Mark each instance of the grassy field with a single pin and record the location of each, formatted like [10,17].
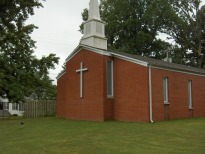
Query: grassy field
[60,136]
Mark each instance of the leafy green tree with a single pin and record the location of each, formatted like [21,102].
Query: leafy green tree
[84,17]
[21,72]
[203,37]
[185,24]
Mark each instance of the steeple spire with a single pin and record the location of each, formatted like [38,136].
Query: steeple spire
[94,12]
[94,28]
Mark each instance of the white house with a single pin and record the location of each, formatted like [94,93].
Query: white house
[12,108]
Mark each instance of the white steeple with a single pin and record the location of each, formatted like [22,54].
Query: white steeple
[94,28]
[94,12]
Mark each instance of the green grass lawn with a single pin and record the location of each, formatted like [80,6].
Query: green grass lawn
[60,136]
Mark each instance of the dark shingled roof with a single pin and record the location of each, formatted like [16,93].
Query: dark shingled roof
[162,64]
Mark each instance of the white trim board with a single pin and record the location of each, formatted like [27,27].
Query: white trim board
[136,61]
[105,53]
[80,47]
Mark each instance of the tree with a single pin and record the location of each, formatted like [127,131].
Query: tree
[21,73]
[203,36]
[186,27]
[133,26]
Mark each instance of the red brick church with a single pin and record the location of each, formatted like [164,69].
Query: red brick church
[99,84]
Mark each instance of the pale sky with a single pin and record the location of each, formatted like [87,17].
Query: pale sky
[58,23]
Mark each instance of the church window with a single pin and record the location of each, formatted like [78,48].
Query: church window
[165,90]
[190,94]
[110,78]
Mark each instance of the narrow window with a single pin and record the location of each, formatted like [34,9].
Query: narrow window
[165,90]
[110,78]
[190,94]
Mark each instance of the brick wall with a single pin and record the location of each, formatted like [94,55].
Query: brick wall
[108,102]
[61,97]
[178,95]
[92,106]
[130,91]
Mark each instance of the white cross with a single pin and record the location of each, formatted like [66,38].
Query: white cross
[81,70]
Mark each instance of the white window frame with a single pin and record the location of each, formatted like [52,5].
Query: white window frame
[21,106]
[165,90]
[190,103]
[15,106]
[110,94]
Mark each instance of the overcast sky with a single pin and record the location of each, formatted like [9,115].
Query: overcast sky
[58,23]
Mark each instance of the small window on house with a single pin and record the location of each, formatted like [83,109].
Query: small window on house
[21,106]
[110,78]
[165,90]
[14,106]
[6,106]
[1,106]
[190,94]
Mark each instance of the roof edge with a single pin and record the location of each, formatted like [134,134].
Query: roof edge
[61,74]
[133,60]
[95,50]
[178,70]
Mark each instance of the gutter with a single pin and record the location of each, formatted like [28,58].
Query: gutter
[150,94]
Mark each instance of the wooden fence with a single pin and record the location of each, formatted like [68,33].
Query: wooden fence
[37,109]
[4,113]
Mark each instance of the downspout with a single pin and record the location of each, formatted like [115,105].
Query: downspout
[150,93]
